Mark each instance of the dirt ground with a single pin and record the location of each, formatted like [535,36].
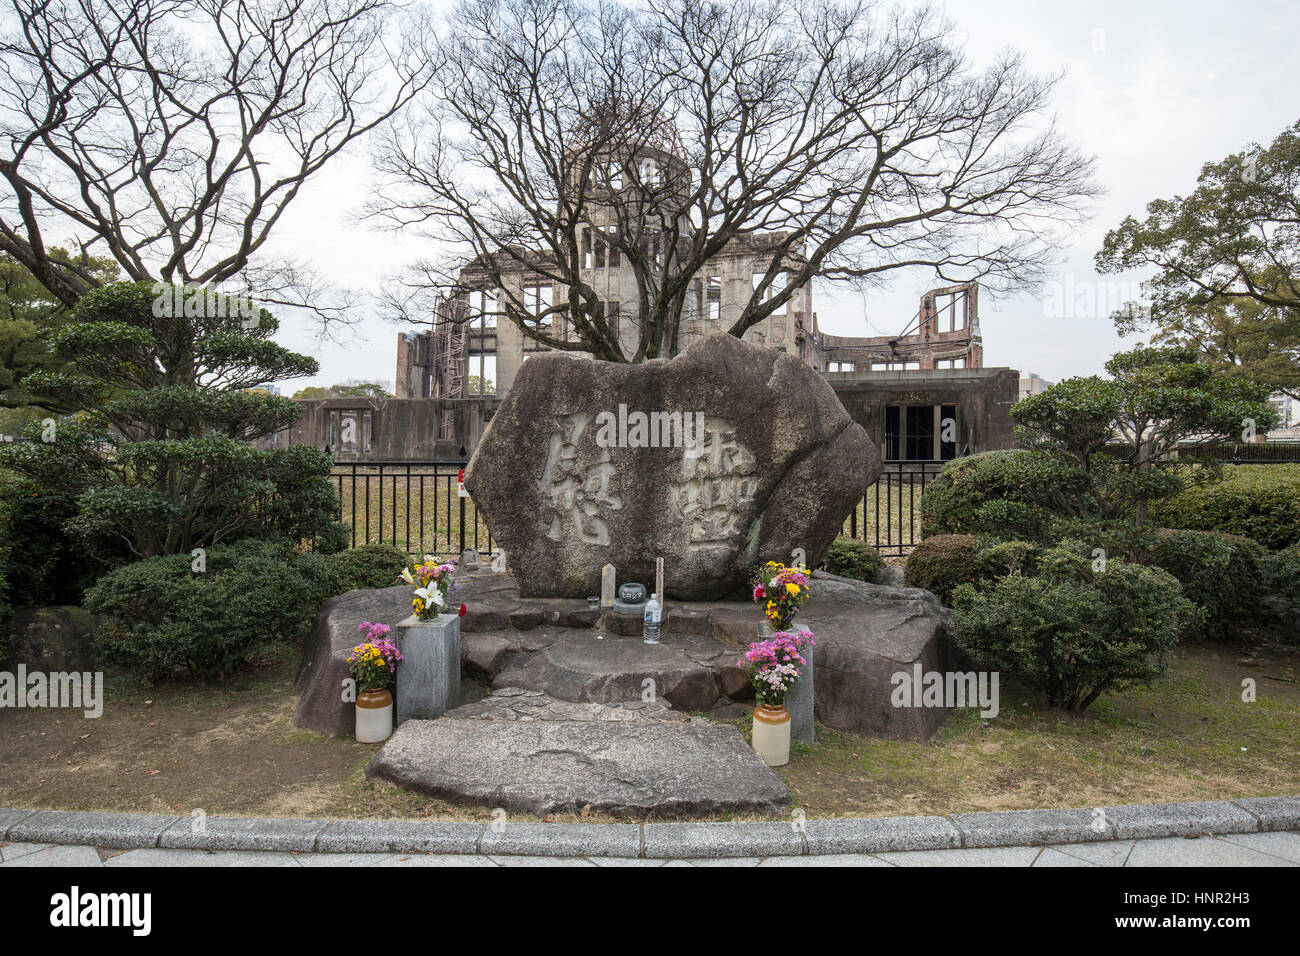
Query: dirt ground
[232,749]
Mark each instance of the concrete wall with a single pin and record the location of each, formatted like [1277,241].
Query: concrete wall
[393,429]
[983,398]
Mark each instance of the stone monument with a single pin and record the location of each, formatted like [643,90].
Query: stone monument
[725,456]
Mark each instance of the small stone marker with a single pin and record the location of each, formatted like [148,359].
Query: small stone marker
[428,679]
[607,586]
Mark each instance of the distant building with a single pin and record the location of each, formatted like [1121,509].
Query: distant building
[1286,409]
[1031,383]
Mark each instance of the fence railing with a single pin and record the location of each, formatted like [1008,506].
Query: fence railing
[415,506]
[1246,453]
[889,515]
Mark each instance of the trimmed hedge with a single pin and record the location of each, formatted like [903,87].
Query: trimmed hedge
[941,563]
[1280,571]
[1070,631]
[1219,572]
[851,558]
[1258,501]
[1008,494]
[168,618]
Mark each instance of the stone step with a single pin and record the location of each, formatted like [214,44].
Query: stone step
[518,703]
[691,674]
[623,768]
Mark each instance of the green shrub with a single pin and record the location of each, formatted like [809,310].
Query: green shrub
[371,566]
[1115,538]
[1220,573]
[850,558]
[1258,501]
[941,563]
[335,538]
[1000,558]
[47,564]
[168,618]
[1072,632]
[1280,574]
[165,617]
[1007,494]
[164,457]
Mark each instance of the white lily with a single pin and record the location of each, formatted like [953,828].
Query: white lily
[430,596]
[406,576]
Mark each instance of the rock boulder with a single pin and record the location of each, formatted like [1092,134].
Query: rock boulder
[324,664]
[55,638]
[726,455]
[867,633]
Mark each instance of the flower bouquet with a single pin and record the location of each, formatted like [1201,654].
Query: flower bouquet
[434,583]
[374,661]
[782,591]
[775,664]
[373,664]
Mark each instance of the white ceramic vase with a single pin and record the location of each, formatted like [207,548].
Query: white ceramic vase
[771,736]
[374,716]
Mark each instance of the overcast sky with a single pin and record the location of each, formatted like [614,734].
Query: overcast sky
[1152,89]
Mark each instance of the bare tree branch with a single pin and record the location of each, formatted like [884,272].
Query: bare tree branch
[176,133]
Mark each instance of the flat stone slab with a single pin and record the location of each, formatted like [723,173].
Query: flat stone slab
[865,635]
[541,767]
[580,666]
[518,703]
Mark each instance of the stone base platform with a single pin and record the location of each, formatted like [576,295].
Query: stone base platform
[865,634]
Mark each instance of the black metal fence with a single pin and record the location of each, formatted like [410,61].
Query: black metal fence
[413,505]
[889,516]
[416,506]
[1246,453]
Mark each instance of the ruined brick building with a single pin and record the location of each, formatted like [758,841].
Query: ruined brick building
[901,388]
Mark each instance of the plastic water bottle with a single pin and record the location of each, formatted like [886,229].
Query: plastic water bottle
[653,615]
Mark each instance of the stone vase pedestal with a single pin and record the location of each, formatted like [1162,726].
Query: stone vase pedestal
[799,699]
[428,678]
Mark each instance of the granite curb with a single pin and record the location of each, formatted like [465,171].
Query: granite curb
[798,837]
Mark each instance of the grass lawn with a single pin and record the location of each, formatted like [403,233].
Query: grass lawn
[232,749]
[417,512]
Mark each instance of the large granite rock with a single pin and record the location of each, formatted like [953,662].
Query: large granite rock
[867,633]
[55,638]
[324,664]
[778,465]
[617,767]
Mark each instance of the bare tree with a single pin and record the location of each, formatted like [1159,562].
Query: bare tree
[172,135]
[836,141]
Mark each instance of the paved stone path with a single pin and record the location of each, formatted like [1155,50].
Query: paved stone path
[1240,849]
